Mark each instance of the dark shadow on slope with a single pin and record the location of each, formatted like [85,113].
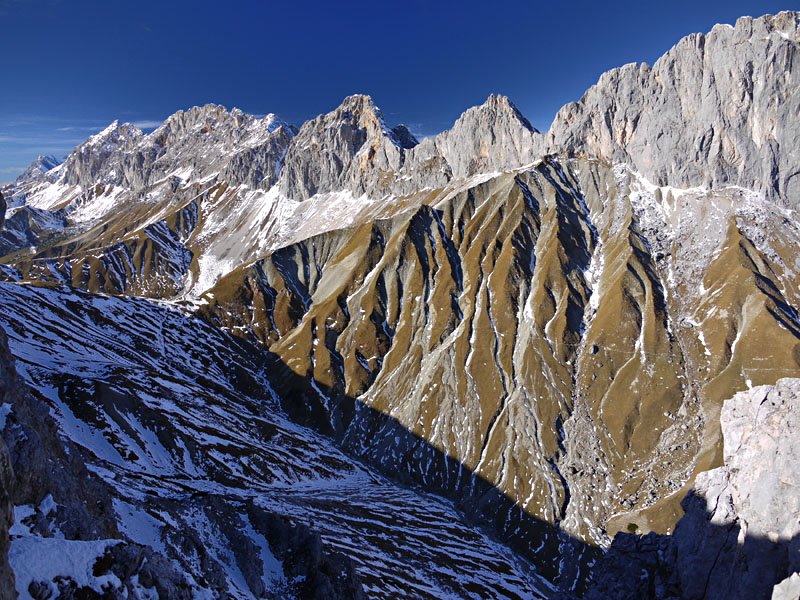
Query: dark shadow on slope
[404,457]
[701,560]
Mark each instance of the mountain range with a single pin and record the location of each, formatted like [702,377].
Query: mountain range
[252,360]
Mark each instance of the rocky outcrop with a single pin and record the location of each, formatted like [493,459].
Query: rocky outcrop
[717,109]
[201,142]
[740,536]
[349,148]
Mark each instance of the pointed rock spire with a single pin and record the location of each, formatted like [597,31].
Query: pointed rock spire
[343,149]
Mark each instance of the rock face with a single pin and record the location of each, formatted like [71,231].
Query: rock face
[740,537]
[348,148]
[717,109]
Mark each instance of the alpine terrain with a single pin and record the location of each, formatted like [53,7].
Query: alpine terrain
[250,360]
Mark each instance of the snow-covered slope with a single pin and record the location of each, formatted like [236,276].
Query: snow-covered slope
[177,418]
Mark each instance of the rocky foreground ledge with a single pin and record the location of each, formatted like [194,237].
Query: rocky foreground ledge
[739,536]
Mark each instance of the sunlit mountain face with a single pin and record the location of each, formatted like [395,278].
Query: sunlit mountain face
[337,361]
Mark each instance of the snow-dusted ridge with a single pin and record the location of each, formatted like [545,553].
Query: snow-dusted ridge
[199,428]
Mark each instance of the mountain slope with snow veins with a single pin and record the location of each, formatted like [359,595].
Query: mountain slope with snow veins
[175,417]
[463,364]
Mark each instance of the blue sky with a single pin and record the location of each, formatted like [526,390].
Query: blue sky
[71,67]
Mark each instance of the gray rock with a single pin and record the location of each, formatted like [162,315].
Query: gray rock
[200,142]
[761,456]
[788,589]
[740,536]
[353,149]
[715,110]
[494,136]
[349,148]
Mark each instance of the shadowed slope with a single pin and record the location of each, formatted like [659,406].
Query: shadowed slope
[178,419]
[549,329]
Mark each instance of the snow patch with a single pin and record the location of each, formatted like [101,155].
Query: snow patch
[97,207]
[47,197]
[36,559]
[5,410]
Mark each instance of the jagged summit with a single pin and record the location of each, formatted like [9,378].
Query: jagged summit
[494,136]
[358,103]
[360,111]
[343,149]
[41,165]
[202,141]
[211,118]
[499,107]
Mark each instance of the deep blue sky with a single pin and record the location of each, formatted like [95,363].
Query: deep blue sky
[68,68]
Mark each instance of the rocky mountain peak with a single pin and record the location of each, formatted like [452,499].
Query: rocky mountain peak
[359,112]
[203,141]
[785,24]
[272,122]
[89,162]
[199,121]
[491,137]
[359,104]
[114,134]
[343,149]
[497,108]
[39,167]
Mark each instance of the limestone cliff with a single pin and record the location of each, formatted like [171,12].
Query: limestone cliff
[717,109]
[740,537]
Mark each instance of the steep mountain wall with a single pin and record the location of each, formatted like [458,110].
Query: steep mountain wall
[717,109]
[548,329]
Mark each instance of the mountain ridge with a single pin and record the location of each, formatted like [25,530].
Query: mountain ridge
[559,315]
